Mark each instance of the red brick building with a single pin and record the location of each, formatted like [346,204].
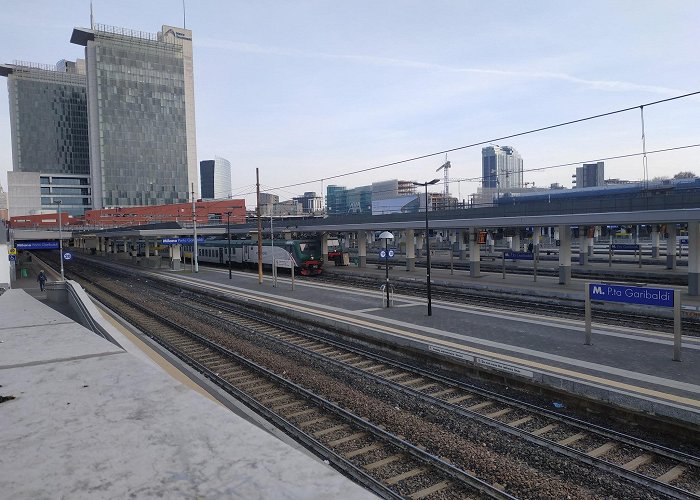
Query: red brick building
[210,212]
[207,212]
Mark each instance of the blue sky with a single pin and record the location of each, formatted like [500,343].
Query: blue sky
[310,89]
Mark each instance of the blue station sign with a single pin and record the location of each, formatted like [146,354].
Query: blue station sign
[36,245]
[180,241]
[624,246]
[661,297]
[519,255]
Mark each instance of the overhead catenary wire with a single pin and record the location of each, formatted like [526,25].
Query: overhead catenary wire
[481,143]
[549,167]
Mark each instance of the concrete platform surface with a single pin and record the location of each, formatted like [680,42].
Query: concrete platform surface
[89,420]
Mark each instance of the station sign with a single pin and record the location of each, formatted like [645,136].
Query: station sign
[624,246]
[67,256]
[383,254]
[180,241]
[683,240]
[284,263]
[661,297]
[519,255]
[36,245]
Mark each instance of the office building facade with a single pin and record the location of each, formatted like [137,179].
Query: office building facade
[140,93]
[502,168]
[215,178]
[590,175]
[49,134]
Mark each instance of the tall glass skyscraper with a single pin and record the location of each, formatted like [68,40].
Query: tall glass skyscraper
[215,176]
[49,133]
[502,168]
[140,91]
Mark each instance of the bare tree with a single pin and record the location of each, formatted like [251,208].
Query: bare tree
[684,175]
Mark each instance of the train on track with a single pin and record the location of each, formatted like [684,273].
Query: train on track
[305,254]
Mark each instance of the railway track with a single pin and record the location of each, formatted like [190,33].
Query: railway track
[667,472]
[385,463]
[631,458]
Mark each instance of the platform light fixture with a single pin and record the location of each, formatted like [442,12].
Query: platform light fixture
[427,239]
[386,236]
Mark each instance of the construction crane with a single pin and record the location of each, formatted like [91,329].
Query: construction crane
[446,167]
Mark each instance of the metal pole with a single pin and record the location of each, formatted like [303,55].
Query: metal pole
[272,244]
[386,261]
[587,313]
[60,238]
[257,209]
[503,262]
[534,267]
[427,247]
[195,252]
[228,229]
[676,325]
[639,248]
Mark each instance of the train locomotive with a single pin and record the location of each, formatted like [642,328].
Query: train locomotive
[305,254]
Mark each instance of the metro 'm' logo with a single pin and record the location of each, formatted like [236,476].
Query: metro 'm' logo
[597,290]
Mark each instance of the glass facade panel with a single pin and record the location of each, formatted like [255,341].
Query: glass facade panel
[141,108]
[51,122]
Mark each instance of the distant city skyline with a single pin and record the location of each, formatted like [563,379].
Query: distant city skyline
[311,91]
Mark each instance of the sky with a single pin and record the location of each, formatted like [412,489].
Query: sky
[310,90]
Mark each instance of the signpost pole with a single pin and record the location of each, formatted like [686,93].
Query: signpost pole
[639,245]
[610,254]
[588,313]
[534,267]
[676,325]
[503,262]
[292,275]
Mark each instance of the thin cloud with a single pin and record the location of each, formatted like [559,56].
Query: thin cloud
[609,85]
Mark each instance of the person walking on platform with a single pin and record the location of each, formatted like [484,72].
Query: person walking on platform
[42,280]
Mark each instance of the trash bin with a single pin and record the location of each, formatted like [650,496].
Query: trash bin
[24,272]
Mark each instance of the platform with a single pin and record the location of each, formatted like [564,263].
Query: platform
[91,420]
[625,367]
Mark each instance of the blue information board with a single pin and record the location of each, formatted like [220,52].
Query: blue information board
[624,246]
[519,255]
[662,297]
[181,241]
[383,254]
[36,245]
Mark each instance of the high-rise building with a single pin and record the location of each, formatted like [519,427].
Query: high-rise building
[49,134]
[502,168]
[3,205]
[310,203]
[140,91]
[590,175]
[215,176]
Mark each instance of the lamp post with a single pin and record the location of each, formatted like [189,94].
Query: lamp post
[228,230]
[60,237]
[427,239]
[195,252]
[386,236]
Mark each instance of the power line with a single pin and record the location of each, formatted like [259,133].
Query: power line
[537,169]
[548,167]
[481,143]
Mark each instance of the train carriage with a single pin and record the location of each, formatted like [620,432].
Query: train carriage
[305,254]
